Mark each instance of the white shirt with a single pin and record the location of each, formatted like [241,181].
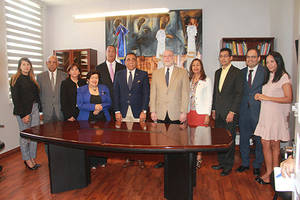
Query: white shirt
[132,74]
[170,72]
[253,73]
[113,65]
[50,75]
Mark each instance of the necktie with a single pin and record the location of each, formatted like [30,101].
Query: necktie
[130,80]
[111,72]
[52,80]
[167,77]
[250,78]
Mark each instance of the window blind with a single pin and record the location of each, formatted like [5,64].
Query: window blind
[24,33]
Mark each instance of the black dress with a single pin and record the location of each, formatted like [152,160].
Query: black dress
[96,99]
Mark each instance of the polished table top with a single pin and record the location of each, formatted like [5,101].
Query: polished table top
[125,136]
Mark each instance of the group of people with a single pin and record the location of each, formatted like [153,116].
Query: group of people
[256,98]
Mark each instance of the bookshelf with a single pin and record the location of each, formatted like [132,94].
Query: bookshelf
[85,58]
[239,46]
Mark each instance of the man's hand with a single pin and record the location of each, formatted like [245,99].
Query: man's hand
[142,117]
[118,116]
[154,116]
[229,117]
[98,107]
[213,114]
[206,120]
[182,117]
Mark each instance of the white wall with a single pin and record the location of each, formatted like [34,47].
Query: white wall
[9,134]
[231,18]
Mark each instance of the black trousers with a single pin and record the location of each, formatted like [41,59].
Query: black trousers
[168,121]
[226,159]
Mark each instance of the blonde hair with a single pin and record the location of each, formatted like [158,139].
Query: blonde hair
[15,77]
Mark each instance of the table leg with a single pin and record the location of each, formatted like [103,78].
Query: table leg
[68,168]
[179,176]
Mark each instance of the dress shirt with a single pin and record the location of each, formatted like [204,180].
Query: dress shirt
[113,66]
[132,74]
[253,73]
[170,72]
[223,76]
[54,74]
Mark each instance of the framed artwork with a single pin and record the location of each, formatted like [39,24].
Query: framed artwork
[149,35]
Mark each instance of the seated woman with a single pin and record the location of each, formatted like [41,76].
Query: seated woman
[93,101]
[68,93]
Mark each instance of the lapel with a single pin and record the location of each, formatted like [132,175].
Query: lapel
[173,76]
[227,79]
[218,74]
[47,80]
[259,75]
[162,78]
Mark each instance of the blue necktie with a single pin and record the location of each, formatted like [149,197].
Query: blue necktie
[167,77]
[130,80]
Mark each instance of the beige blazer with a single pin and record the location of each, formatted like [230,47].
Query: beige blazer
[173,99]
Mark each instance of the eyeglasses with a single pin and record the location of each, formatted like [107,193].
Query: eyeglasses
[224,56]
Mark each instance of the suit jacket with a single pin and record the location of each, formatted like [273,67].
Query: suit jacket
[50,99]
[68,96]
[173,99]
[248,101]
[203,97]
[137,97]
[230,97]
[105,76]
[84,105]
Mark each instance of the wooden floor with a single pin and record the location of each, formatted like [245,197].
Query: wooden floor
[133,183]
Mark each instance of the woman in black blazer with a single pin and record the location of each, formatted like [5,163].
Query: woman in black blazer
[68,93]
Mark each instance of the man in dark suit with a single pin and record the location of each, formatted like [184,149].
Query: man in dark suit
[131,92]
[253,77]
[108,70]
[131,95]
[228,90]
[49,82]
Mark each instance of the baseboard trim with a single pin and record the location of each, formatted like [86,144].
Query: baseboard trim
[3,155]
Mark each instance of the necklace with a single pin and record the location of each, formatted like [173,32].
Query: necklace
[94,89]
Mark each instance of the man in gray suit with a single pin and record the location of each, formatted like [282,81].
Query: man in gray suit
[49,82]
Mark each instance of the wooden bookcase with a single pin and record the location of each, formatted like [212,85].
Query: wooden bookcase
[85,58]
[239,46]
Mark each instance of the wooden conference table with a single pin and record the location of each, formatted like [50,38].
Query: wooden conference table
[69,141]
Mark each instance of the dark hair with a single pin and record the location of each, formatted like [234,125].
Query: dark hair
[202,72]
[280,67]
[92,72]
[130,54]
[226,49]
[255,49]
[74,65]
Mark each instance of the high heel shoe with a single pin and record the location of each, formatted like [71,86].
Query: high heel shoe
[261,181]
[31,168]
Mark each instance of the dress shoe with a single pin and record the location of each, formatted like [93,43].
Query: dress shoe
[159,165]
[217,167]
[242,168]
[225,172]
[261,181]
[256,171]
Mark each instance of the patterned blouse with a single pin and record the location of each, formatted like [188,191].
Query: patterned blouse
[192,94]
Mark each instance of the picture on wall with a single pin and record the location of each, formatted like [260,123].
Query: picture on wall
[149,35]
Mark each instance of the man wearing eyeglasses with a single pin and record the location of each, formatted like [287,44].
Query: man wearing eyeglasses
[228,89]
[253,77]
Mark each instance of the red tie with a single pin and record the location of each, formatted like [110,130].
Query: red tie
[250,78]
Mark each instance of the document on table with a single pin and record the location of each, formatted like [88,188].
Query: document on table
[283,183]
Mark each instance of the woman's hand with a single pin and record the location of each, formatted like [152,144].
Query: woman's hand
[260,97]
[206,120]
[71,119]
[26,119]
[98,107]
